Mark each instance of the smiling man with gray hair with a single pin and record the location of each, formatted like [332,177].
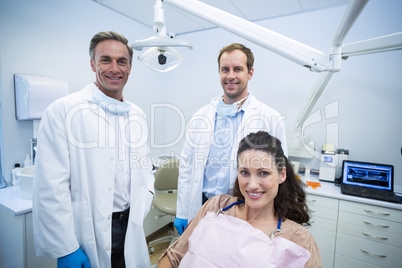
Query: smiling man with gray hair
[90,193]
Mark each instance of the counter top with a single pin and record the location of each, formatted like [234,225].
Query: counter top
[329,189]
[13,203]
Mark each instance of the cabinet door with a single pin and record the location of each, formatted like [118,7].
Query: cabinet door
[367,251]
[370,234]
[322,201]
[317,221]
[371,223]
[323,220]
[323,212]
[32,260]
[327,259]
[12,240]
[345,262]
[324,238]
[382,213]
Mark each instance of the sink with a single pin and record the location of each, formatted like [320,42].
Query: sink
[25,181]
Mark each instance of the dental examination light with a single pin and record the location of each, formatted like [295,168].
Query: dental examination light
[160,57]
[315,60]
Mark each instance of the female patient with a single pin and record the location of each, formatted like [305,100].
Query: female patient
[259,226]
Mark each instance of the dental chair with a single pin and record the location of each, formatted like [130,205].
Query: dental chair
[165,199]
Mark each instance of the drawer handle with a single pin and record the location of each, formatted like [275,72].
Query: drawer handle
[372,254]
[311,221]
[378,213]
[312,210]
[311,200]
[375,237]
[376,225]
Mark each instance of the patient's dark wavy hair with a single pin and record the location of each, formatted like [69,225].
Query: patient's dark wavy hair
[290,202]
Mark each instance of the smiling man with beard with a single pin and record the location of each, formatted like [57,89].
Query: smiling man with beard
[208,159]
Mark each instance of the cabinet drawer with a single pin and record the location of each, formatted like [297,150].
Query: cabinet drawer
[320,201]
[325,239]
[322,222]
[327,258]
[371,223]
[369,234]
[372,211]
[366,251]
[323,212]
[345,262]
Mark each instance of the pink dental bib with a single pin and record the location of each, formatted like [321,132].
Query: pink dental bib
[220,240]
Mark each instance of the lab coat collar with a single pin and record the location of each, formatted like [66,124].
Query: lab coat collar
[243,107]
[93,94]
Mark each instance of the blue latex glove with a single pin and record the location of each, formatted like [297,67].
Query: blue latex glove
[77,259]
[180,224]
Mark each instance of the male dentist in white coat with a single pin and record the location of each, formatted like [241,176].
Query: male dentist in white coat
[208,164]
[92,189]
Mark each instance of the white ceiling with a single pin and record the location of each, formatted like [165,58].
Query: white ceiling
[180,22]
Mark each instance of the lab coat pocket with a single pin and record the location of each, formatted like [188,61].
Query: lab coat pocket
[83,223]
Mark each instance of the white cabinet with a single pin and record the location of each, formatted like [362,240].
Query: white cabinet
[324,216]
[345,262]
[12,240]
[371,235]
[16,247]
[354,234]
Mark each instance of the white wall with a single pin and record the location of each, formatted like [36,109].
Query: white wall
[51,38]
[367,90]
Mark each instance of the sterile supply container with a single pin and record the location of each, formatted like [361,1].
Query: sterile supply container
[25,181]
[14,171]
[27,161]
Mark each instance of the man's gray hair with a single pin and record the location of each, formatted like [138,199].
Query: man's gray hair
[109,35]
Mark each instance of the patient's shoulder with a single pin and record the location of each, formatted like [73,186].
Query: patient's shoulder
[297,233]
[219,201]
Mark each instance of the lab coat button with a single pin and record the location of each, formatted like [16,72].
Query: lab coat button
[110,188]
[112,158]
[109,217]
[107,248]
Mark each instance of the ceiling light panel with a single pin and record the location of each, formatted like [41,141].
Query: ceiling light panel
[263,9]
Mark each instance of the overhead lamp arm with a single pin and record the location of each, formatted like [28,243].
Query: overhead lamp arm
[160,56]
[295,51]
[159,18]
[282,45]
[353,10]
[339,51]
[161,39]
[373,45]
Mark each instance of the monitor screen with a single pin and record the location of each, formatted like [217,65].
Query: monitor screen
[370,175]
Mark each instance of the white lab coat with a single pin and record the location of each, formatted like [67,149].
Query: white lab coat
[199,135]
[74,180]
